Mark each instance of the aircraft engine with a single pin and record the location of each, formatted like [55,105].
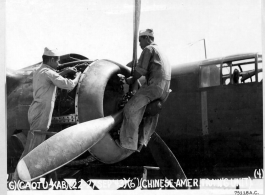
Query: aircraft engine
[97,94]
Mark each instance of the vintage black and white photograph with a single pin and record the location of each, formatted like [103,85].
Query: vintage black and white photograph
[134,95]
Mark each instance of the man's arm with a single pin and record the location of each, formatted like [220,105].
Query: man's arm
[132,79]
[68,70]
[141,68]
[62,82]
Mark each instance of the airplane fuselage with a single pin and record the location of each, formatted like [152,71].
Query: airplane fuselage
[211,124]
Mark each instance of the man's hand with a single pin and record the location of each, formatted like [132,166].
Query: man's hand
[71,70]
[122,78]
[78,74]
[68,70]
[129,80]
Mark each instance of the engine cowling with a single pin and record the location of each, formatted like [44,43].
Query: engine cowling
[98,96]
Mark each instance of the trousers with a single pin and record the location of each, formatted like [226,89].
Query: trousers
[132,116]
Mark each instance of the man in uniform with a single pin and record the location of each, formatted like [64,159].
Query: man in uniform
[154,65]
[45,82]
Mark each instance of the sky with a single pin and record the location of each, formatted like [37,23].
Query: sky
[103,29]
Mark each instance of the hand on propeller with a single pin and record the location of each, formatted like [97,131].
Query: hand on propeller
[125,80]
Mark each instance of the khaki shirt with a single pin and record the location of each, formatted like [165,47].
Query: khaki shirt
[45,83]
[154,65]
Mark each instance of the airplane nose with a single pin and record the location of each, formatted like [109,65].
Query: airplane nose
[23,171]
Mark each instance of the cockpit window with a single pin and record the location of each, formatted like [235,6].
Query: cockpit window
[210,75]
[260,73]
[242,71]
[237,71]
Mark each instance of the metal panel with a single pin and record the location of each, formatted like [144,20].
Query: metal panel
[22,117]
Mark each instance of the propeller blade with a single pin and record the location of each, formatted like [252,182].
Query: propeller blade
[64,146]
[165,158]
[136,22]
